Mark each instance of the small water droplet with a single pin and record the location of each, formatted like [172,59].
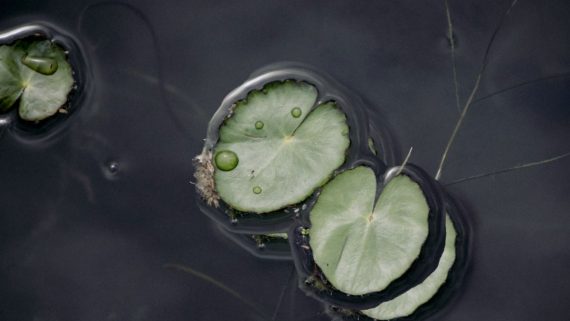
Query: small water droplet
[259,124]
[296,112]
[45,66]
[257,190]
[226,160]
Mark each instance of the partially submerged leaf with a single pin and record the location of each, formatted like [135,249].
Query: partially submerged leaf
[360,246]
[410,301]
[37,73]
[10,84]
[285,149]
[44,94]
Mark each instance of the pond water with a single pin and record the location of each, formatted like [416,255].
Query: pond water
[99,220]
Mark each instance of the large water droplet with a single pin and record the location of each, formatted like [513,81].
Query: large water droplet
[259,124]
[296,112]
[45,66]
[226,160]
[257,190]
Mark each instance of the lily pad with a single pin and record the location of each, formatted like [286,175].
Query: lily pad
[285,147]
[38,74]
[10,85]
[407,303]
[362,247]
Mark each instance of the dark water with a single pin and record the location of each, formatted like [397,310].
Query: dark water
[93,211]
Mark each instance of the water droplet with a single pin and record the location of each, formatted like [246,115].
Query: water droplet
[296,112]
[257,190]
[259,124]
[45,66]
[226,160]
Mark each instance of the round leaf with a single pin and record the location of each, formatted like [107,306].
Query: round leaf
[10,84]
[362,247]
[43,94]
[412,299]
[285,148]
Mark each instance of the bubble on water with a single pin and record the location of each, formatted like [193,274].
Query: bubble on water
[257,190]
[259,124]
[113,167]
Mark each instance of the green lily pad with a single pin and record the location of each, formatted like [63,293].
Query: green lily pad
[284,147]
[10,84]
[360,246]
[37,73]
[405,304]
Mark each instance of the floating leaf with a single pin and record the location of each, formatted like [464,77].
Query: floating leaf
[360,246]
[10,83]
[37,73]
[286,149]
[410,301]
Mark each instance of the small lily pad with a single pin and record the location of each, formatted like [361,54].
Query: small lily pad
[407,303]
[37,73]
[10,85]
[362,246]
[285,147]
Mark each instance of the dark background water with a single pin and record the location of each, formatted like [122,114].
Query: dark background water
[90,215]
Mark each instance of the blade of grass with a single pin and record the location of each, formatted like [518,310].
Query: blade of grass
[473,91]
[216,283]
[509,169]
